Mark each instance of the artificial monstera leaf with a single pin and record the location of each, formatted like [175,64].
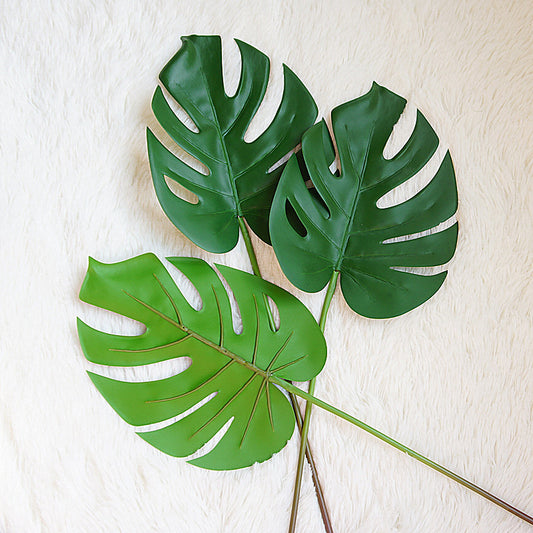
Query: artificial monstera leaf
[235,369]
[239,182]
[336,224]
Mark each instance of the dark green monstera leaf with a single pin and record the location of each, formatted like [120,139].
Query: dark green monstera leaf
[235,369]
[336,225]
[239,181]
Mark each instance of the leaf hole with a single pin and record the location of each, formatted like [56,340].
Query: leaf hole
[177,418]
[436,229]
[113,323]
[268,107]
[294,220]
[168,142]
[179,111]
[303,169]
[422,271]
[401,132]
[180,191]
[320,203]
[415,184]
[335,165]
[211,444]
[185,286]
[284,159]
[274,311]
[143,373]
[236,317]
[231,66]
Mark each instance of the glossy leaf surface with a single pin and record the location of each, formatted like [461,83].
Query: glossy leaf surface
[238,182]
[233,368]
[337,225]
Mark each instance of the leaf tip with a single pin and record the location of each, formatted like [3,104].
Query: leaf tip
[223,268]
[92,264]
[93,377]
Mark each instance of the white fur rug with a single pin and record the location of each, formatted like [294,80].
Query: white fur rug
[452,379]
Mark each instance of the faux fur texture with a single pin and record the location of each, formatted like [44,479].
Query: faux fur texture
[452,379]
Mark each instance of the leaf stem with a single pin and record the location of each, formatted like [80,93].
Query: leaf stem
[249,247]
[307,417]
[314,474]
[289,387]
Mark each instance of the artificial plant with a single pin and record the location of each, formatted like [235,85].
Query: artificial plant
[242,176]
[236,369]
[240,183]
[334,223]
[327,225]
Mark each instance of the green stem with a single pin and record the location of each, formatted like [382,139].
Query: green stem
[314,472]
[307,450]
[307,417]
[249,248]
[289,387]
[327,299]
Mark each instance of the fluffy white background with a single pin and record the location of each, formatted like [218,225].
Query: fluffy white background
[453,379]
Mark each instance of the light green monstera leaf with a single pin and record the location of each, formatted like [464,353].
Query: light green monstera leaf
[236,370]
[336,224]
[240,182]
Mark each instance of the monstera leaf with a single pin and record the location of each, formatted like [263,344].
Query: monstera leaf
[336,225]
[239,182]
[235,369]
